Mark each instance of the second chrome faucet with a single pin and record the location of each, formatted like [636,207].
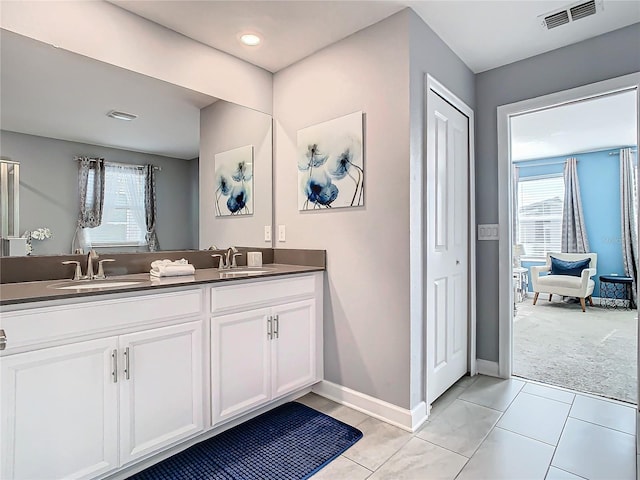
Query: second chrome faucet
[227,260]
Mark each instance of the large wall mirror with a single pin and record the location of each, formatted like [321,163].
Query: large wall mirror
[54,106]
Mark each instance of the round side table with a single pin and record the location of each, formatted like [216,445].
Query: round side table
[615,291]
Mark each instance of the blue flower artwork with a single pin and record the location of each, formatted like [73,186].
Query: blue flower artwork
[234,182]
[330,164]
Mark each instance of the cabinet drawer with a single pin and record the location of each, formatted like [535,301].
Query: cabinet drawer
[259,293]
[26,328]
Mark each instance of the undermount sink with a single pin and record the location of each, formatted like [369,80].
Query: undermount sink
[245,272]
[93,284]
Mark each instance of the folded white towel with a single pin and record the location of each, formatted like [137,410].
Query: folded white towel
[155,264]
[168,268]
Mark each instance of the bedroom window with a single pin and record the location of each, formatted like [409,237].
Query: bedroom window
[539,221]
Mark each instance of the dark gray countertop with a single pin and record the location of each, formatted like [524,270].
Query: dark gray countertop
[26,292]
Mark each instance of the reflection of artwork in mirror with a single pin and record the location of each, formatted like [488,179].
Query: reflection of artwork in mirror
[234,182]
[330,164]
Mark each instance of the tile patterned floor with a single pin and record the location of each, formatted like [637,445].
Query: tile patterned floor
[488,428]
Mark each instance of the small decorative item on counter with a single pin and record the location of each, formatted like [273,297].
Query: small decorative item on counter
[254,259]
[41,233]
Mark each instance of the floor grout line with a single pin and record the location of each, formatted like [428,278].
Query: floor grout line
[602,426]
[531,438]
[448,449]
[579,476]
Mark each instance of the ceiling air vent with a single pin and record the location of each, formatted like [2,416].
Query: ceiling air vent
[583,10]
[569,14]
[557,19]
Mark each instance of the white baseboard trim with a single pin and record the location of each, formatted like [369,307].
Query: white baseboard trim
[409,420]
[486,367]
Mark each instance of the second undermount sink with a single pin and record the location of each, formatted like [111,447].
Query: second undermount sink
[93,284]
[244,272]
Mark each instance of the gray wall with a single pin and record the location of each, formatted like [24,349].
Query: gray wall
[49,189]
[428,55]
[366,307]
[372,343]
[607,56]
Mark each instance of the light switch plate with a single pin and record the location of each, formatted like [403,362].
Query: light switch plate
[282,233]
[267,233]
[489,231]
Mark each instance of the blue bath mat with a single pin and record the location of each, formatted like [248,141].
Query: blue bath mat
[290,442]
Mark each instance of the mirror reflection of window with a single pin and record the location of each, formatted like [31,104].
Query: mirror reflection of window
[123,214]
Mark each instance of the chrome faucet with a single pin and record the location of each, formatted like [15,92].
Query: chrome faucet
[227,260]
[232,253]
[91,256]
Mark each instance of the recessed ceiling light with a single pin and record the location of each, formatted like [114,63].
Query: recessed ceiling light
[121,115]
[250,39]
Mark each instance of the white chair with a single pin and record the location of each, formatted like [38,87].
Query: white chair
[565,285]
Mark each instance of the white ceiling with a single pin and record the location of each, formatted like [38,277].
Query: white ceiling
[488,34]
[484,34]
[53,93]
[42,85]
[596,124]
[291,30]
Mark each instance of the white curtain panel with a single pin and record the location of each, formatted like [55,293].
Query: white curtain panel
[629,215]
[574,235]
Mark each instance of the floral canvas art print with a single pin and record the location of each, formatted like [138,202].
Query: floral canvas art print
[330,164]
[234,182]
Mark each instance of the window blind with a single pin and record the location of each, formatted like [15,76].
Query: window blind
[539,222]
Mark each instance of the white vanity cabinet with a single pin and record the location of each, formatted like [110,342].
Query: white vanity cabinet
[161,388]
[86,407]
[59,412]
[260,354]
[94,387]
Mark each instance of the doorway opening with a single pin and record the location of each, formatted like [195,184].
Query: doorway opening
[557,340]
[574,329]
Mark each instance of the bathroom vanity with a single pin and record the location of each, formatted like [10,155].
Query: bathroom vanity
[100,384]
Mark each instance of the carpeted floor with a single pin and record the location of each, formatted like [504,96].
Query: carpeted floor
[595,352]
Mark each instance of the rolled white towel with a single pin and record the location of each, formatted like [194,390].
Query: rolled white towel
[168,268]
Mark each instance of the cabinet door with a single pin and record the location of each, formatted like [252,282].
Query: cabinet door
[161,398]
[294,354]
[59,412]
[240,356]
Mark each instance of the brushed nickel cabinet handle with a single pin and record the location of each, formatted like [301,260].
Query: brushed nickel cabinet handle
[270,327]
[276,326]
[3,340]
[127,371]
[114,366]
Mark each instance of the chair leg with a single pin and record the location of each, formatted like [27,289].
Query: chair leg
[535,297]
[550,295]
[590,301]
[584,309]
